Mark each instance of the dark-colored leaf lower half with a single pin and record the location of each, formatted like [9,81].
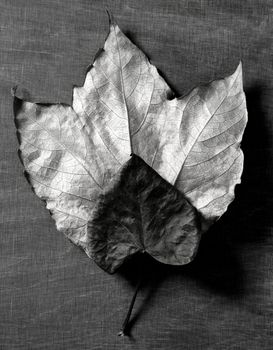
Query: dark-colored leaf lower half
[141,212]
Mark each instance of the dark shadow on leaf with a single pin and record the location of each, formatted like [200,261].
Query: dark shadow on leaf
[217,265]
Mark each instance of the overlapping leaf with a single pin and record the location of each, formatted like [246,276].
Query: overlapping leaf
[125,169]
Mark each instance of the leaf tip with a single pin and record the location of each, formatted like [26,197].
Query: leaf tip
[239,67]
[238,70]
[110,17]
[237,75]
[17,103]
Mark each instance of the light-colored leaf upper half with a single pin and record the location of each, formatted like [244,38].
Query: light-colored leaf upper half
[72,153]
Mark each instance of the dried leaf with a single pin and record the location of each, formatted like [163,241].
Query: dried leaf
[125,169]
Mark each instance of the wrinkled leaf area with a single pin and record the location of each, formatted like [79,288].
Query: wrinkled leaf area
[141,212]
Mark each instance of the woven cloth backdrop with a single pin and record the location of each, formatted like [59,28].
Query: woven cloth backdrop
[51,295]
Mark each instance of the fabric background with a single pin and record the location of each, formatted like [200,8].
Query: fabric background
[51,295]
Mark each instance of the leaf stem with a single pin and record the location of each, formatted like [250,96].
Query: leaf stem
[124,326]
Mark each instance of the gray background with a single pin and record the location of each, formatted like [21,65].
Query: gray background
[51,295]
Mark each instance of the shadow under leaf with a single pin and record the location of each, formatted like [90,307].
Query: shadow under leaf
[217,265]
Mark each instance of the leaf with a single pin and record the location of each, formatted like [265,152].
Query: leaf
[124,169]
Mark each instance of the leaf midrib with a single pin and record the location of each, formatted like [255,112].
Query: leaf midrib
[123,93]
